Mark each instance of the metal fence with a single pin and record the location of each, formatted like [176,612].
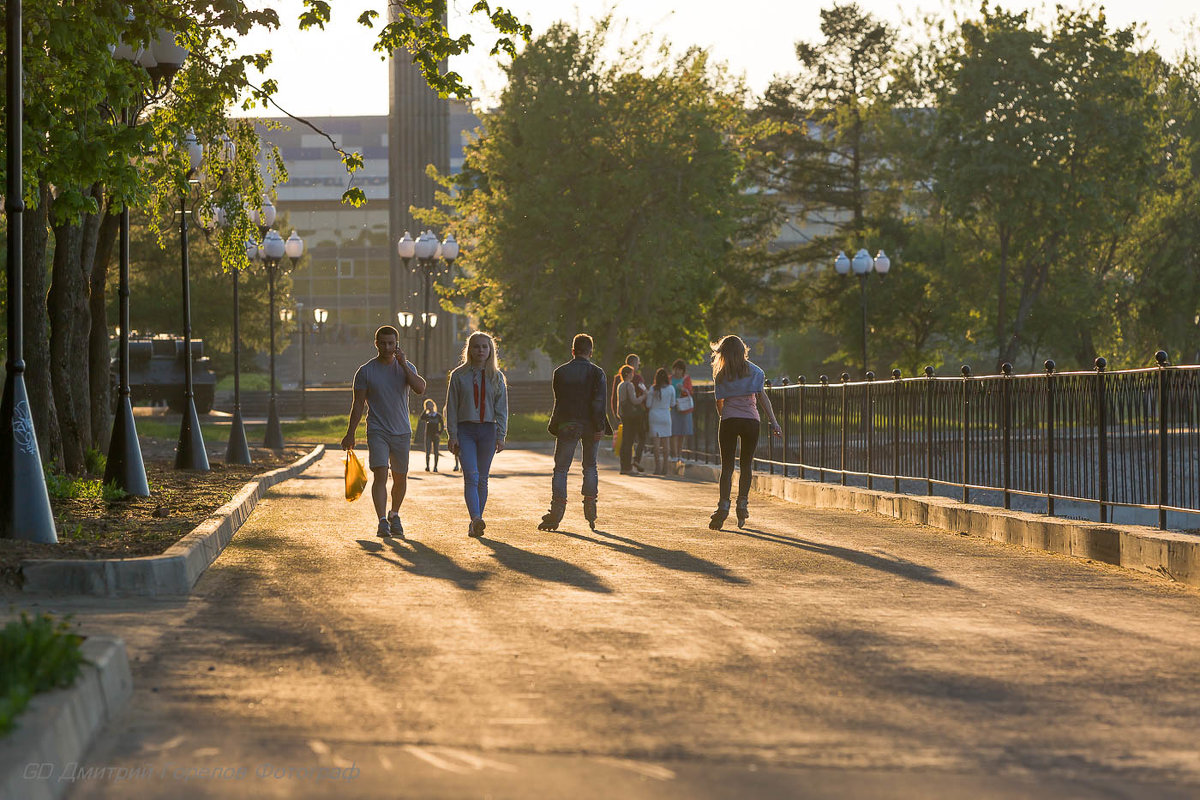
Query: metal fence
[1127,438]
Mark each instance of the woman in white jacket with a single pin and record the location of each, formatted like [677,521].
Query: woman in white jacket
[659,402]
[477,420]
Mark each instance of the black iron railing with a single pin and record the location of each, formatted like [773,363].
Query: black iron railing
[1127,439]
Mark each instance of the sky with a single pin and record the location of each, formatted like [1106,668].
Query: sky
[335,72]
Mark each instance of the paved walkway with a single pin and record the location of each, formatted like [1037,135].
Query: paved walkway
[814,654]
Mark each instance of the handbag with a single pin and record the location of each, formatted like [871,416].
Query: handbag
[356,477]
[685,404]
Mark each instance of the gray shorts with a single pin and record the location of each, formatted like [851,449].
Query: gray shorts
[388,450]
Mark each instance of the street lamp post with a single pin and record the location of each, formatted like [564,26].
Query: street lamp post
[21,473]
[237,451]
[271,251]
[862,264]
[427,251]
[161,60]
[190,452]
[302,323]
[294,248]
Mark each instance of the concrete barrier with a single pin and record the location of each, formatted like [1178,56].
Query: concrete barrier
[175,571]
[38,759]
[1170,554]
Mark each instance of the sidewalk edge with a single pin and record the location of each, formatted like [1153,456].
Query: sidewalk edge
[38,759]
[176,570]
[1169,554]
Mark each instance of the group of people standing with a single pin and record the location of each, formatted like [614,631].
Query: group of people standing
[659,415]
[476,421]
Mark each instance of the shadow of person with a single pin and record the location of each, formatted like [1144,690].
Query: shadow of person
[422,560]
[545,568]
[891,564]
[680,560]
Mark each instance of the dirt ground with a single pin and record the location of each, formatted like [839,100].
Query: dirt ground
[142,526]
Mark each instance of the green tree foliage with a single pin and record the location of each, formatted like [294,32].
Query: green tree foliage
[603,197]
[94,143]
[835,163]
[1043,149]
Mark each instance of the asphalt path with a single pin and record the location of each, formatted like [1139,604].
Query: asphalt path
[814,654]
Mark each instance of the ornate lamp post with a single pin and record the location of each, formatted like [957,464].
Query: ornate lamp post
[21,473]
[161,60]
[294,247]
[271,251]
[862,264]
[237,451]
[427,250]
[190,452]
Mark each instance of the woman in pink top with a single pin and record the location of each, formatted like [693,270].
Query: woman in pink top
[740,387]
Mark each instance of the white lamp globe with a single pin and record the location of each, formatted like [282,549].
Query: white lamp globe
[882,263]
[273,245]
[406,247]
[449,247]
[862,262]
[841,264]
[294,246]
[427,245]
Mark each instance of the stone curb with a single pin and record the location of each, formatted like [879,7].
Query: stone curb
[38,759]
[175,571]
[1173,555]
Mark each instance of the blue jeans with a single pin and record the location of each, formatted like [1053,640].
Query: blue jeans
[476,449]
[564,453]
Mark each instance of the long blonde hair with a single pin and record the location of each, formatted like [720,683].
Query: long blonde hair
[730,359]
[491,366]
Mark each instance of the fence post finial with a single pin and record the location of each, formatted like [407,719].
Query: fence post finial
[928,372]
[1006,368]
[1161,358]
[1101,362]
[1049,365]
[896,374]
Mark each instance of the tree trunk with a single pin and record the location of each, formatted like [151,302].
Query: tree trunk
[1031,288]
[99,373]
[69,328]
[37,340]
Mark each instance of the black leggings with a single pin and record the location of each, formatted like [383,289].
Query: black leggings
[731,431]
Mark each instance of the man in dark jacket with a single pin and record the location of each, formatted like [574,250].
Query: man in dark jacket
[579,399]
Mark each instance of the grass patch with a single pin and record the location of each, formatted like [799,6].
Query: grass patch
[251,382]
[36,655]
[65,487]
[528,427]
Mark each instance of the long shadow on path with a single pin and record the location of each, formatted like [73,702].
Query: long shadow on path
[545,568]
[680,560]
[894,565]
[424,561]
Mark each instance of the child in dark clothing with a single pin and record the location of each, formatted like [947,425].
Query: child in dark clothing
[432,425]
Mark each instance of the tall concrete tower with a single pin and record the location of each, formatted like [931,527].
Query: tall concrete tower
[418,135]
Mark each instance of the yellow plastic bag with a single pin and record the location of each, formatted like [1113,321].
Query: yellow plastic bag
[617,438]
[356,476]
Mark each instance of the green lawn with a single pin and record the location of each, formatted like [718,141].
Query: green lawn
[521,428]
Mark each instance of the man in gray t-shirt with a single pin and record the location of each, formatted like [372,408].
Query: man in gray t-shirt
[382,385]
